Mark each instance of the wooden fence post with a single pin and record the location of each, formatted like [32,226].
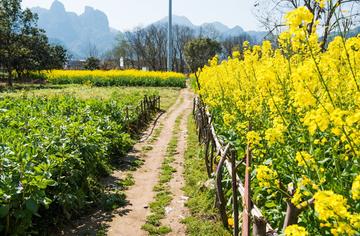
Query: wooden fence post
[247,200]
[146,108]
[207,135]
[235,195]
[292,214]
[200,121]
[207,146]
[139,116]
[212,153]
[219,190]
[153,104]
[259,226]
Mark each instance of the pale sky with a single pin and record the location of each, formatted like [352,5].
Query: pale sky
[127,14]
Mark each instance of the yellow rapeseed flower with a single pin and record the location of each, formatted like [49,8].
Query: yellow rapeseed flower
[253,138]
[295,230]
[267,177]
[304,159]
[329,205]
[231,222]
[355,190]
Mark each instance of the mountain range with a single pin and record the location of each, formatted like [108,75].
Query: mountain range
[89,33]
[219,28]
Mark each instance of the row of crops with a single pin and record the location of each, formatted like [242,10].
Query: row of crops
[53,152]
[117,78]
[299,110]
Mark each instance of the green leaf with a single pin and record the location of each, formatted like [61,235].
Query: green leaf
[46,201]
[31,205]
[270,204]
[4,211]
[324,160]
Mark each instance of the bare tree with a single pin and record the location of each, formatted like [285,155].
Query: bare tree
[231,44]
[147,47]
[333,15]
[182,35]
[92,50]
[209,31]
[161,45]
[151,53]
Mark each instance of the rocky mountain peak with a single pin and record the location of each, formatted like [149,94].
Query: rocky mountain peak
[57,7]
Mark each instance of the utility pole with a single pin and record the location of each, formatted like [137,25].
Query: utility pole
[170,39]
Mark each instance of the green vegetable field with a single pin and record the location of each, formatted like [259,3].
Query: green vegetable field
[55,145]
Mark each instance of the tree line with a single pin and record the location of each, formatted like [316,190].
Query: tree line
[23,46]
[147,47]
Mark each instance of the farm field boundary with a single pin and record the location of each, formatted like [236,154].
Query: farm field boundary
[214,148]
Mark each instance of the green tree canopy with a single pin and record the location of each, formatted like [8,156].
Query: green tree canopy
[198,52]
[23,46]
[92,63]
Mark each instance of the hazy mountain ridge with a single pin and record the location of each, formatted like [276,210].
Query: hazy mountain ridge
[88,33]
[223,30]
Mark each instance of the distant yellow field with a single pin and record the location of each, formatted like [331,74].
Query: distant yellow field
[117,78]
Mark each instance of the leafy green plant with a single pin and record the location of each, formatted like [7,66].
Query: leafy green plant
[53,151]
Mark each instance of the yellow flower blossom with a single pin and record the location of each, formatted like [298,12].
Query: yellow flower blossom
[295,230]
[231,222]
[236,54]
[266,177]
[353,119]
[299,17]
[321,3]
[228,119]
[355,190]
[304,159]
[355,221]
[275,134]
[302,192]
[329,205]
[253,138]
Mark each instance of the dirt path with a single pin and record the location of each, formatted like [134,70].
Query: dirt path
[129,222]
[177,211]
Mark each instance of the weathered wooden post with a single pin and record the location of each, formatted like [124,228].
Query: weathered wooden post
[219,190]
[292,214]
[259,226]
[235,193]
[247,200]
[146,107]
[207,147]
[142,111]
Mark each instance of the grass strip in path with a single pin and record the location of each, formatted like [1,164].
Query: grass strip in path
[163,195]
